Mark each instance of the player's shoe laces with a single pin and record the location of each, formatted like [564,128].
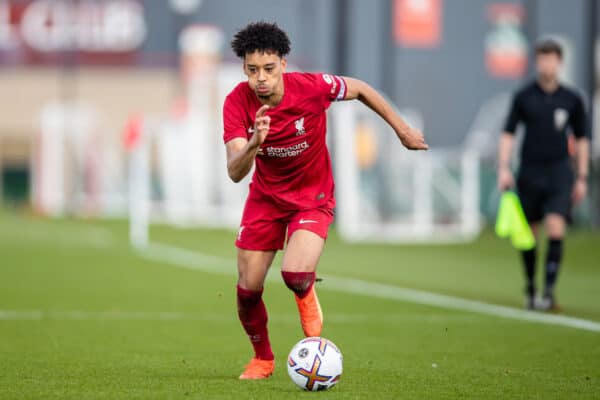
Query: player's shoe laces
[311,315]
[258,369]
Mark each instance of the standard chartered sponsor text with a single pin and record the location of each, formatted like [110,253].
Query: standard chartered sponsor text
[290,151]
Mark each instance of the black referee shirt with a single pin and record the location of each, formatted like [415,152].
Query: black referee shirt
[546,117]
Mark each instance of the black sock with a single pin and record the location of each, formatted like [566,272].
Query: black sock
[553,258]
[529,258]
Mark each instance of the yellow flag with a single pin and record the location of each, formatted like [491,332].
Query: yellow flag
[511,222]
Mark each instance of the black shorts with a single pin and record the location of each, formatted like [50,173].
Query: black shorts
[545,189]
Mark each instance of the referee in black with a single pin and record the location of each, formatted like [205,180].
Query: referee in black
[548,184]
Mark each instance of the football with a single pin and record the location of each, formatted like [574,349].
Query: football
[315,363]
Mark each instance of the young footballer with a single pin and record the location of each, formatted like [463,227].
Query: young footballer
[276,122]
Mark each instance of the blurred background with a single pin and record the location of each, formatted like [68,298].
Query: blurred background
[112,108]
[111,135]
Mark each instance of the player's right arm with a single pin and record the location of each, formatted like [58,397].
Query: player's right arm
[241,152]
[505,146]
[505,177]
[582,152]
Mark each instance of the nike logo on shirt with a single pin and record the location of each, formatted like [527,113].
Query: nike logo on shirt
[307,221]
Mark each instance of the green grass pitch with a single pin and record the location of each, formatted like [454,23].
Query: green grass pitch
[83,316]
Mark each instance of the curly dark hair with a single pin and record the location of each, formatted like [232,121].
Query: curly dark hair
[261,36]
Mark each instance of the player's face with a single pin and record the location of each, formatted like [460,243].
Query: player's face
[265,73]
[548,65]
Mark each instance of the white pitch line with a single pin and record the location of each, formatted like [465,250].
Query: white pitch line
[212,264]
[383,291]
[188,259]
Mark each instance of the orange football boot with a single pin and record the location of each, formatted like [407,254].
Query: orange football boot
[311,315]
[258,369]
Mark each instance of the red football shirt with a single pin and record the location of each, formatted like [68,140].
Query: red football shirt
[293,167]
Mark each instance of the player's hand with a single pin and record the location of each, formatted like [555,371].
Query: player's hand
[414,140]
[261,126]
[505,179]
[579,191]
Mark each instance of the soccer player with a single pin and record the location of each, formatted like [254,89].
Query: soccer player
[545,181]
[276,121]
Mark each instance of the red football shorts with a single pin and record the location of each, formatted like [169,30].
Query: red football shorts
[264,225]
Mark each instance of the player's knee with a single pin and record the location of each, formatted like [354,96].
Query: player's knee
[248,297]
[555,226]
[299,266]
[248,282]
[249,279]
[298,282]
[555,232]
[251,275]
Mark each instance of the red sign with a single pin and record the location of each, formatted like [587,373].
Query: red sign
[505,43]
[39,31]
[418,23]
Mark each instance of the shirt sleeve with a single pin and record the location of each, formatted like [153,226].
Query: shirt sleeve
[577,119]
[233,120]
[330,87]
[514,116]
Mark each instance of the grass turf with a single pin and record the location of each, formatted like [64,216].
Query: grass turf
[84,317]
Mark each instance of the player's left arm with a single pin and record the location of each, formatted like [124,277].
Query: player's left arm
[411,138]
[583,156]
[582,153]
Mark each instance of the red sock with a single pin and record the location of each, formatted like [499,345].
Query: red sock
[253,315]
[299,282]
